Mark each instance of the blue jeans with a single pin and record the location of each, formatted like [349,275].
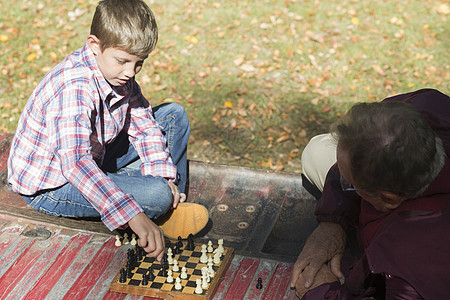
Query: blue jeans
[122,165]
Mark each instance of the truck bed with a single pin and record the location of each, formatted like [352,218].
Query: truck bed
[265,216]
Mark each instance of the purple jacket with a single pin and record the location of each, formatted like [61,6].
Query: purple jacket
[409,250]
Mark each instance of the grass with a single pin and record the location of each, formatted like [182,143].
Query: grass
[257,78]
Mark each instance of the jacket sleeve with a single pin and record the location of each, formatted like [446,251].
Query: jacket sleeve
[336,205]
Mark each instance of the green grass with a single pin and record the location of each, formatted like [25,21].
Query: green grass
[257,78]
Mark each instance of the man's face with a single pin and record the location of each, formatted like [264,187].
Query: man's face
[380,200]
[118,66]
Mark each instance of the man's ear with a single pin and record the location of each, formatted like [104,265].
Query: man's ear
[391,200]
[94,44]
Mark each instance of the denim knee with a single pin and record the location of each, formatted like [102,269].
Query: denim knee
[157,198]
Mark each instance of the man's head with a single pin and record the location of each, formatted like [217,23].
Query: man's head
[388,152]
[128,25]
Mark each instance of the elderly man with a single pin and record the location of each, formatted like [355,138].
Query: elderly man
[391,183]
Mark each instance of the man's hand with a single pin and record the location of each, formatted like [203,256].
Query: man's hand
[325,275]
[151,237]
[177,196]
[325,244]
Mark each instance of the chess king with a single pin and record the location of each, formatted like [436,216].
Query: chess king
[88,143]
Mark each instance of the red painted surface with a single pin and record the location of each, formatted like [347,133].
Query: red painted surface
[279,283]
[80,289]
[48,280]
[264,272]
[243,278]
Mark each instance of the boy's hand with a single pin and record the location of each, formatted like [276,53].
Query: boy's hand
[151,237]
[177,196]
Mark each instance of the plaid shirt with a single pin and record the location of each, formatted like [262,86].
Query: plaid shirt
[64,128]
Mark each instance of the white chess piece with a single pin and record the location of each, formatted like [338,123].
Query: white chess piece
[169,278]
[175,267]
[125,239]
[211,271]
[169,256]
[221,249]
[204,281]
[183,274]
[198,288]
[133,239]
[204,257]
[178,283]
[210,247]
[216,258]
[118,243]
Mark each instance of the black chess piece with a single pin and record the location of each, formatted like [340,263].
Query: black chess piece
[151,276]
[180,243]
[259,284]
[129,273]
[163,272]
[190,243]
[144,279]
[123,275]
[138,255]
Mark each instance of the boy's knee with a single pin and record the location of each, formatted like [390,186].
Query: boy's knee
[159,199]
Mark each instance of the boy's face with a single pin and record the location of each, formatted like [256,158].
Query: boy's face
[116,65]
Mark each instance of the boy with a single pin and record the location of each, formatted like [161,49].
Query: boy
[87,121]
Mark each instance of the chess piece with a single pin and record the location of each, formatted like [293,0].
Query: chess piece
[118,243]
[220,243]
[169,256]
[210,247]
[123,276]
[183,274]
[190,243]
[175,267]
[205,281]
[169,276]
[133,240]
[125,239]
[180,243]
[204,257]
[144,279]
[151,276]
[198,288]
[178,284]
[216,258]
[259,284]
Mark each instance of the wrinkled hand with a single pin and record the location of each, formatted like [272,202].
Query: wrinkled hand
[325,244]
[325,275]
[151,237]
[177,196]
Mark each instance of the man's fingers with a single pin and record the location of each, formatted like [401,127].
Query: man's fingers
[335,265]
[309,273]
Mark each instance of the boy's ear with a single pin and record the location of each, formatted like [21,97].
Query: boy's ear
[94,44]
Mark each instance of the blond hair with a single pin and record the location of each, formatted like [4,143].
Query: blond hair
[128,25]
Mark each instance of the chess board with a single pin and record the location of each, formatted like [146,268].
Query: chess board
[159,288]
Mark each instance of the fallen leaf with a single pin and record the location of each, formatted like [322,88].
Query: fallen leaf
[228,104]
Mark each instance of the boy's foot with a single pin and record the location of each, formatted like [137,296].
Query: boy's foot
[187,218]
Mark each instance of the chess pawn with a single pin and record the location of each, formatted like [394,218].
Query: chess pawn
[217,256]
[125,239]
[169,256]
[169,278]
[204,257]
[205,281]
[178,285]
[118,243]
[183,274]
[175,267]
[221,249]
[211,271]
[133,239]
[198,288]
[210,247]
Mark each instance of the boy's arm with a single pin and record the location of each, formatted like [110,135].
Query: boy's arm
[69,131]
[148,139]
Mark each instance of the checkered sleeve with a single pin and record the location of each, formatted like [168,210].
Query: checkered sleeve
[148,139]
[70,128]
